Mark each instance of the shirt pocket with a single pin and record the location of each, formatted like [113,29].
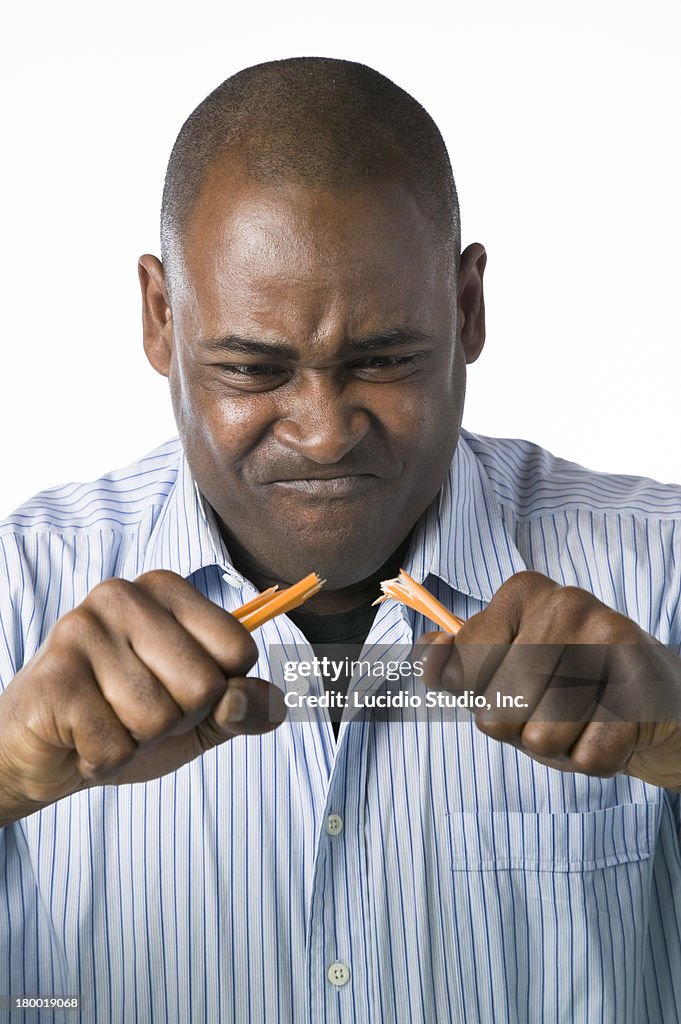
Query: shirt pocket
[547,914]
[560,842]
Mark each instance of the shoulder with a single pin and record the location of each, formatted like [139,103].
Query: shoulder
[61,543]
[532,483]
[58,545]
[117,502]
[87,531]
[617,536]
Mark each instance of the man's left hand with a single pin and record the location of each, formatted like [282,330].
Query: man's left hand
[567,680]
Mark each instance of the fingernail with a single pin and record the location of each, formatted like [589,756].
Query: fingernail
[235,706]
[436,652]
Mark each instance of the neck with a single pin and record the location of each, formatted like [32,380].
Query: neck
[328,602]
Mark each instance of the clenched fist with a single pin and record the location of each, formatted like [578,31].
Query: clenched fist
[568,681]
[137,680]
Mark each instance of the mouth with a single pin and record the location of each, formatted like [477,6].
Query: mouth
[328,487]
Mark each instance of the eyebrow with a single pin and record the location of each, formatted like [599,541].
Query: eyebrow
[238,345]
[391,338]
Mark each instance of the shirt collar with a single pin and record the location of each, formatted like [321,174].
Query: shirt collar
[461,538]
[185,537]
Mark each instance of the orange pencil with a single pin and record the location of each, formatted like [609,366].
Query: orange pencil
[274,601]
[407,591]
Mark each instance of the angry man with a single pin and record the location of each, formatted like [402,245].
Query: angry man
[173,846]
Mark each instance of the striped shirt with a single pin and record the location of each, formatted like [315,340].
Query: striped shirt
[414,871]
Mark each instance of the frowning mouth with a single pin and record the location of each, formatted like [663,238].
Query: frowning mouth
[335,486]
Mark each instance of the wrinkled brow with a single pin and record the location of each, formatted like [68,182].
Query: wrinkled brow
[237,345]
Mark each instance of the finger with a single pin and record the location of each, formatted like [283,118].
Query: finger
[516,688]
[544,691]
[102,743]
[470,660]
[482,642]
[482,645]
[247,708]
[219,633]
[521,595]
[433,651]
[146,707]
[603,748]
[153,673]
[131,608]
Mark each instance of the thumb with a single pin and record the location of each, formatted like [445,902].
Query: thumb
[469,660]
[438,659]
[250,706]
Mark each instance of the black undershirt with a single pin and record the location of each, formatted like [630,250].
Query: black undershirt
[337,637]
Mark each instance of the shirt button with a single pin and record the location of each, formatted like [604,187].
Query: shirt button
[299,686]
[334,825]
[338,974]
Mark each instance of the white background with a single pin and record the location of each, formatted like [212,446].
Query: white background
[564,130]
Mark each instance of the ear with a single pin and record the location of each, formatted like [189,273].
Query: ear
[157,317]
[471,301]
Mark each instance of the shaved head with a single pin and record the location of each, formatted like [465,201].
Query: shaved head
[317,122]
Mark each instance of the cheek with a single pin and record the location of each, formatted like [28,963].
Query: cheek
[211,424]
[423,422]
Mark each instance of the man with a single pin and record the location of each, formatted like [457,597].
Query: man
[168,852]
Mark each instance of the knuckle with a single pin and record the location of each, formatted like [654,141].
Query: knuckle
[244,647]
[76,629]
[112,755]
[205,686]
[573,594]
[111,593]
[159,580]
[148,714]
[620,629]
[526,583]
[568,600]
[541,740]
[588,762]
[502,731]
[518,580]
[603,629]
[569,612]
[158,722]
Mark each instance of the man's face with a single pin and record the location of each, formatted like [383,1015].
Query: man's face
[315,372]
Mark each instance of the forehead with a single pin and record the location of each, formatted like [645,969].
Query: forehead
[288,250]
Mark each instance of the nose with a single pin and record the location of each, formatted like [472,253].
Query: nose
[324,424]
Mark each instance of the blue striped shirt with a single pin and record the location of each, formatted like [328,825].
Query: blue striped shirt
[459,879]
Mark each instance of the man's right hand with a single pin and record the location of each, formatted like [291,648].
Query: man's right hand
[134,682]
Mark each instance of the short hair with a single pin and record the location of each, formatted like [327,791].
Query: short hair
[316,121]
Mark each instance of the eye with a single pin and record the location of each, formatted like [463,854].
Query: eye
[253,375]
[385,367]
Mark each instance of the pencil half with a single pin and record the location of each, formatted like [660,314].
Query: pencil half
[269,604]
[407,591]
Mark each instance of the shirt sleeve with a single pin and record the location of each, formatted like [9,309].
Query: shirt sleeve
[13,596]
[674,642]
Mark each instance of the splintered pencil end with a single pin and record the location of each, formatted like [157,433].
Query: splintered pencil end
[262,609]
[407,591]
